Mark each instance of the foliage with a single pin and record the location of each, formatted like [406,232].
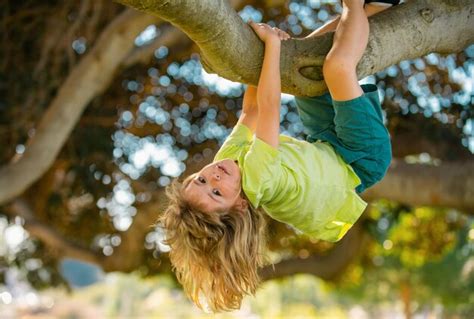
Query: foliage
[427,252]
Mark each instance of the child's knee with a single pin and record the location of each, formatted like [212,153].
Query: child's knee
[336,66]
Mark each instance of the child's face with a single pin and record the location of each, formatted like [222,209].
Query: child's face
[215,187]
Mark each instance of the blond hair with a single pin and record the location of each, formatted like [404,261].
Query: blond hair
[215,255]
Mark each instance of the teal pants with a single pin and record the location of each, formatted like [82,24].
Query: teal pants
[354,128]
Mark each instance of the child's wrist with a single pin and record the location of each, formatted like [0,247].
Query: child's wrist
[272,40]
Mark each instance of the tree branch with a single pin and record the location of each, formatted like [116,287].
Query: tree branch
[89,78]
[411,142]
[326,267]
[51,237]
[450,184]
[232,50]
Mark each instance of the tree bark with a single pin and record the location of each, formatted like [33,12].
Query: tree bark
[447,147]
[450,184]
[231,49]
[326,267]
[50,237]
[88,79]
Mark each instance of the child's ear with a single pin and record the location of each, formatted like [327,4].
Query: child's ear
[241,204]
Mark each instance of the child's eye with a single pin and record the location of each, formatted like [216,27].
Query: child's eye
[201,180]
[216,192]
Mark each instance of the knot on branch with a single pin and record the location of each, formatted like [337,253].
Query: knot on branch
[427,14]
[314,73]
[311,67]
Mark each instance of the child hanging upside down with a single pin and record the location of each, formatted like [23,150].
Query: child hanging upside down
[214,223]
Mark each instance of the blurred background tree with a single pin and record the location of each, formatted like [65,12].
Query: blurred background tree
[101,106]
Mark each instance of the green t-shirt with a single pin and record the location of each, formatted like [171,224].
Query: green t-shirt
[306,185]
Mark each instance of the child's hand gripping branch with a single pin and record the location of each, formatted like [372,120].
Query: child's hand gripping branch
[269,84]
[266,32]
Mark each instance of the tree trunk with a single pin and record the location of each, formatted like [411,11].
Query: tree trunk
[405,294]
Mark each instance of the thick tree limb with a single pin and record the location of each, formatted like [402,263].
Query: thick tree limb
[127,257]
[447,147]
[232,50]
[89,78]
[326,267]
[450,184]
[51,237]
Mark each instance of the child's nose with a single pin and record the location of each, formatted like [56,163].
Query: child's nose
[217,176]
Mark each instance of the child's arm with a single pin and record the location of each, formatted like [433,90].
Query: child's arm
[269,85]
[249,114]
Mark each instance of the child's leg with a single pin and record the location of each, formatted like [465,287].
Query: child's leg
[370,9]
[350,41]
[362,139]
